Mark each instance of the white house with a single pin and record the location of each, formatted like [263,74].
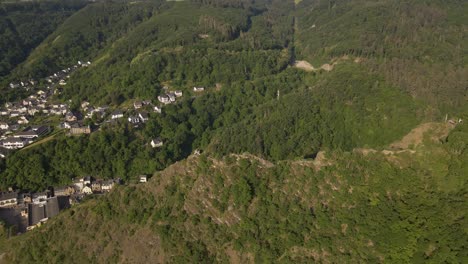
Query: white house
[172,97]
[84,104]
[143,178]
[178,93]
[23,120]
[137,104]
[14,143]
[134,119]
[156,143]
[198,89]
[143,116]
[87,190]
[4,125]
[163,98]
[117,114]
[39,198]
[8,199]
[106,186]
[157,109]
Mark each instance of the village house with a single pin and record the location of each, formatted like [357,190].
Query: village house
[26,134]
[22,110]
[39,198]
[137,104]
[133,119]
[78,185]
[24,198]
[86,190]
[143,116]
[64,191]
[65,125]
[78,129]
[90,111]
[8,199]
[143,178]
[70,117]
[157,109]
[4,125]
[40,213]
[164,99]
[146,102]
[14,143]
[23,120]
[156,143]
[96,187]
[14,113]
[4,112]
[3,153]
[198,89]
[33,111]
[33,132]
[178,93]
[87,180]
[107,185]
[41,105]
[84,105]
[172,97]
[14,127]
[117,114]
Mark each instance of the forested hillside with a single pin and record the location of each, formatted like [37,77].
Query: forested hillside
[23,26]
[329,131]
[245,49]
[416,45]
[403,207]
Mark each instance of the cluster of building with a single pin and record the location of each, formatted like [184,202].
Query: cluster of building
[87,185]
[23,138]
[15,116]
[33,209]
[169,97]
[26,85]
[61,76]
[20,112]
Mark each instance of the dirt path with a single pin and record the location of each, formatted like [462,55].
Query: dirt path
[42,141]
[435,131]
[306,66]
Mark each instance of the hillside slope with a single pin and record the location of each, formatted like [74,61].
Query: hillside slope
[395,208]
[23,26]
[416,45]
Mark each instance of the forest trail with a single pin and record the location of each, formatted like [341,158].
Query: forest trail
[306,66]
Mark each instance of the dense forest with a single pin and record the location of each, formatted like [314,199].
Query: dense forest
[23,26]
[299,123]
[417,45]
